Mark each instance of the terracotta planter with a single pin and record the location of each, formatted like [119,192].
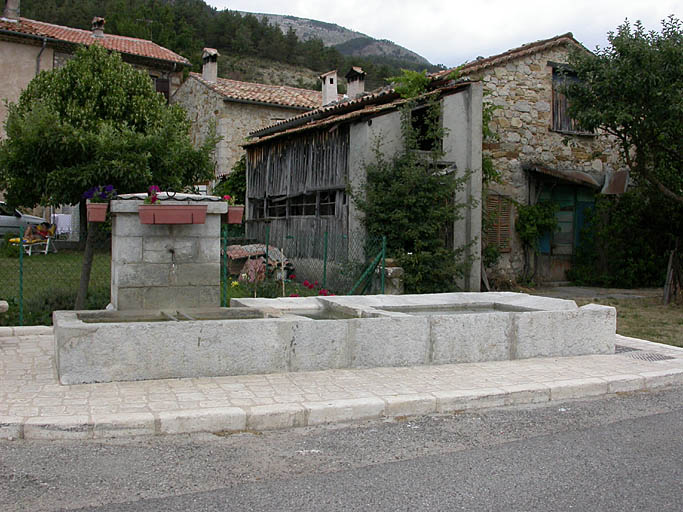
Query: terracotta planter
[234,216]
[172,214]
[97,212]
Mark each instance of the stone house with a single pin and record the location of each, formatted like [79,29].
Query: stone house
[29,46]
[541,154]
[299,170]
[234,109]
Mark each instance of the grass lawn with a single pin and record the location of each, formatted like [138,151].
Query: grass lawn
[58,272]
[50,282]
[646,318]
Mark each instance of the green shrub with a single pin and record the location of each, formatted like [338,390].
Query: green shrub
[626,241]
[7,249]
[38,308]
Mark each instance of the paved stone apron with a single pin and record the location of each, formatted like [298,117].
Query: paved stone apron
[34,405]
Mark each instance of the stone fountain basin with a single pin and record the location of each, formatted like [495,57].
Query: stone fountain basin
[258,336]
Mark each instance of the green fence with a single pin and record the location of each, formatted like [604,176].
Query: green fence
[302,265]
[38,284]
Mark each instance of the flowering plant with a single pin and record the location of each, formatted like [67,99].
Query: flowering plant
[152,192]
[100,193]
[230,200]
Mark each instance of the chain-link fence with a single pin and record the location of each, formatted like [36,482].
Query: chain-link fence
[35,285]
[301,265]
[36,279]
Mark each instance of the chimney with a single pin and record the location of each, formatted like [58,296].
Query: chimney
[98,27]
[210,64]
[355,80]
[11,12]
[329,81]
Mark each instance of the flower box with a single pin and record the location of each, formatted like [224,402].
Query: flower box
[97,212]
[172,214]
[234,215]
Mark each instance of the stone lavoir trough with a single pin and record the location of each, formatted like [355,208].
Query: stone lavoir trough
[167,322]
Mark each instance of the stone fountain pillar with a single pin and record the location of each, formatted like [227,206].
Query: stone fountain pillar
[165,266]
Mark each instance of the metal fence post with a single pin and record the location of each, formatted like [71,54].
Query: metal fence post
[267,244]
[224,267]
[325,260]
[384,260]
[21,279]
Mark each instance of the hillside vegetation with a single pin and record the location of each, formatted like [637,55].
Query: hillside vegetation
[187,26]
[348,42]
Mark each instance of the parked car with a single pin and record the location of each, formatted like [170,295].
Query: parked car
[15,222]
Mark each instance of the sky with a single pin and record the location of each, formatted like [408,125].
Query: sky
[451,32]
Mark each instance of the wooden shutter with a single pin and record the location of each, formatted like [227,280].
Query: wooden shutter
[163,86]
[499,211]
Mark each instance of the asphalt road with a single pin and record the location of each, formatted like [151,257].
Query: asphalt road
[620,453]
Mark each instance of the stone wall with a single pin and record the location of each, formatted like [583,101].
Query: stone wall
[162,266]
[233,121]
[17,69]
[522,88]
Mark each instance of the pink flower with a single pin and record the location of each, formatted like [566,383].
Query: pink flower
[306,283]
[292,276]
[227,198]
[316,283]
[153,189]
[310,286]
[153,199]
[323,291]
[294,295]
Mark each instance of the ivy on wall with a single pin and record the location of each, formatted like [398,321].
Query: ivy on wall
[410,196]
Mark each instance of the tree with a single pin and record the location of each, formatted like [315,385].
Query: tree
[633,89]
[96,121]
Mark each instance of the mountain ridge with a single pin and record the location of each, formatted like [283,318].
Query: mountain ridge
[346,41]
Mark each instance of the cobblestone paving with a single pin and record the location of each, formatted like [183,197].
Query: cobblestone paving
[30,392]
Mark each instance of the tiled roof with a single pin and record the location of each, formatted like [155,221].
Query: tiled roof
[366,106]
[515,53]
[122,44]
[281,95]
[380,95]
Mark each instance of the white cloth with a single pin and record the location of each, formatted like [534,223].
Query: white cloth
[63,222]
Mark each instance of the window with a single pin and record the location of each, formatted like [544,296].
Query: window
[421,122]
[328,201]
[304,204]
[162,86]
[562,122]
[277,206]
[498,210]
[256,206]
[322,204]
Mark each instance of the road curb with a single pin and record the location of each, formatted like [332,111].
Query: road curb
[280,416]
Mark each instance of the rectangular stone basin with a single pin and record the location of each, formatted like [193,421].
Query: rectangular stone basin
[456,309]
[185,315]
[258,336]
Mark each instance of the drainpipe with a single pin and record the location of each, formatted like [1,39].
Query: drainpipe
[40,53]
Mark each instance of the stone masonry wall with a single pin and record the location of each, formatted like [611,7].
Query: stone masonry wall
[522,89]
[157,267]
[233,121]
